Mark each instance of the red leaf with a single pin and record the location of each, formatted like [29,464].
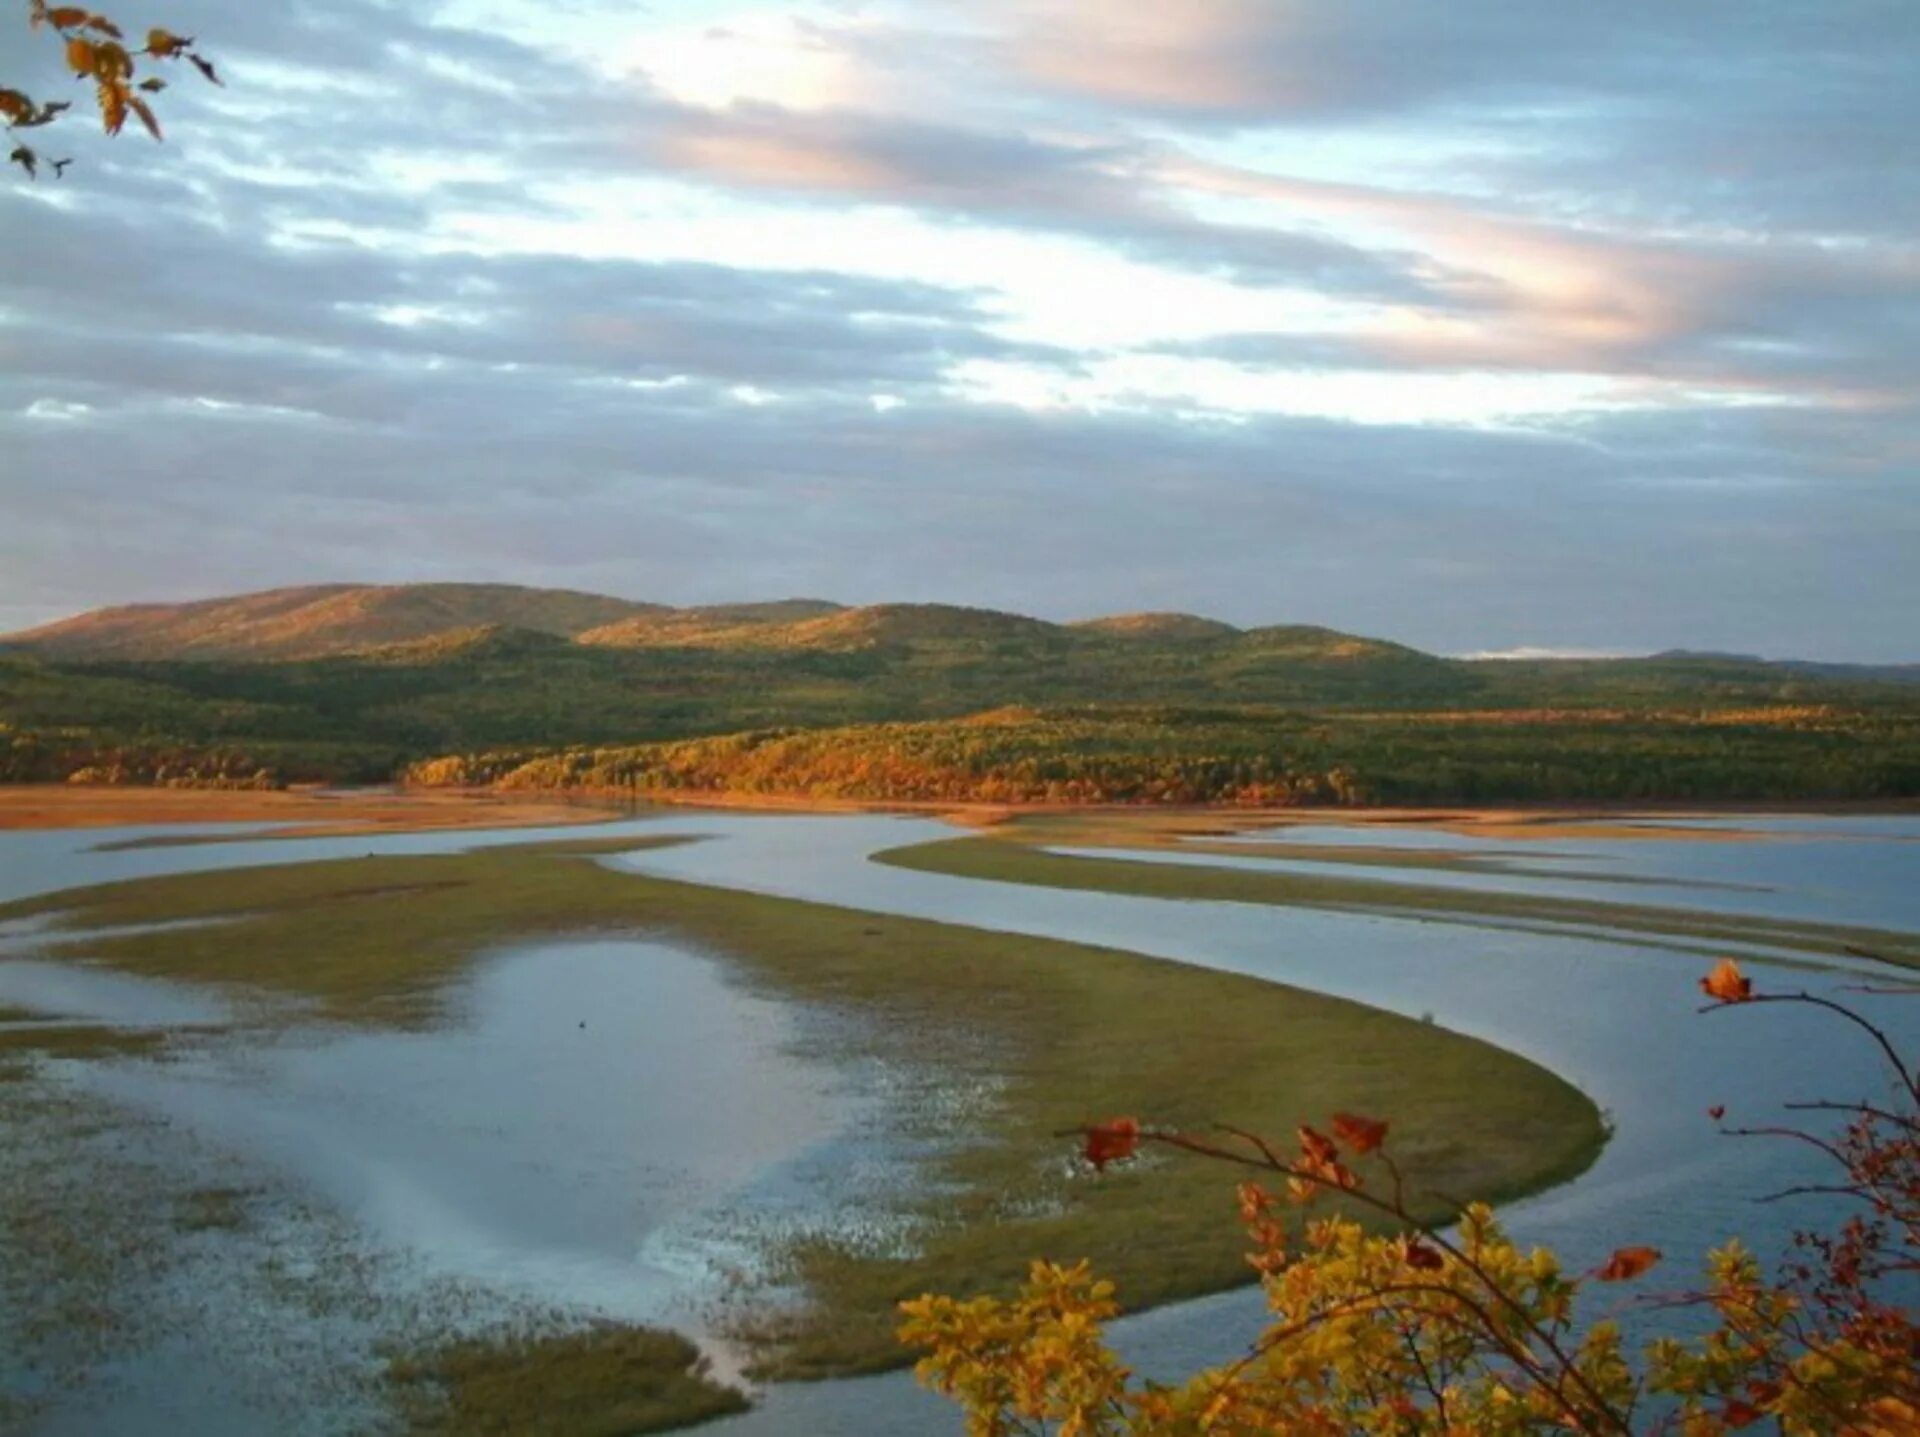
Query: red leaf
[1318,1148]
[1363,1135]
[1111,1142]
[1423,1257]
[1627,1263]
[1717,1111]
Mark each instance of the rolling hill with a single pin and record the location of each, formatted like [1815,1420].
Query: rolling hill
[1156,627]
[305,623]
[357,682]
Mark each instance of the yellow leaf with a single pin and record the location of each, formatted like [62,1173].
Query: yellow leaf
[163,43]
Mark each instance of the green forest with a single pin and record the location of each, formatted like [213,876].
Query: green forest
[911,702]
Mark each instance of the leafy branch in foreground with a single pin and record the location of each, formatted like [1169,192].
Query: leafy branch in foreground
[1388,1326]
[97,50]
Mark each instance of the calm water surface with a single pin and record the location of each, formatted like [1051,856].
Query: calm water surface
[519,1150]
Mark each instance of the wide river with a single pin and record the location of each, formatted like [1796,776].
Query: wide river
[546,1197]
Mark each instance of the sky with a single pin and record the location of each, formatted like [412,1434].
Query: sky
[1481,325]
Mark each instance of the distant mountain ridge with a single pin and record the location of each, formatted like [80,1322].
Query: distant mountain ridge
[436,622]
[425,620]
[320,619]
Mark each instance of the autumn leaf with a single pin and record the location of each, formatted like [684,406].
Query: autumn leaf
[82,56]
[104,26]
[1318,1148]
[1111,1142]
[205,67]
[141,109]
[26,159]
[14,105]
[1627,1263]
[66,17]
[1727,983]
[1419,1255]
[165,44]
[112,60]
[1717,1111]
[1740,1414]
[113,107]
[1363,1135]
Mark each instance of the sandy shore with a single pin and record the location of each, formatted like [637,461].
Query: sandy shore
[308,813]
[324,812]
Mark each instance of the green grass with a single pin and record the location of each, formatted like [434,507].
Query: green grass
[1043,1035]
[605,1381]
[1010,860]
[85,1040]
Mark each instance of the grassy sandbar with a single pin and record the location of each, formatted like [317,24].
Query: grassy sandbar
[1002,860]
[1039,1035]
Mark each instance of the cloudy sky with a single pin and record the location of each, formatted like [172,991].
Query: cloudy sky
[1478,324]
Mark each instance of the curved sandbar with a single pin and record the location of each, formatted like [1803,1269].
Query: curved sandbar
[1013,860]
[1009,1039]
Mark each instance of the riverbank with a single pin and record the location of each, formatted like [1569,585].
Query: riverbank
[306,812]
[990,1044]
[1024,853]
[327,812]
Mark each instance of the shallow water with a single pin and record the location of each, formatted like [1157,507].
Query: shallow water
[1863,871]
[68,993]
[540,1143]
[520,1150]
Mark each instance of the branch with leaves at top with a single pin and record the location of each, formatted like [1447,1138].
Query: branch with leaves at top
[97,50]
[1408,1330]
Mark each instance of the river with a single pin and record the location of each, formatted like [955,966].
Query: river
[548,1198]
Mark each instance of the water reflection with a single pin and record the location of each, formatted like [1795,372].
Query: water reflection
[523,1150]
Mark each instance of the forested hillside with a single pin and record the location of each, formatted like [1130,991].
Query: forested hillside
[1258,757]
[579,689]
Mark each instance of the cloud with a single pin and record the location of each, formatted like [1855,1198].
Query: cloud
[1041,305]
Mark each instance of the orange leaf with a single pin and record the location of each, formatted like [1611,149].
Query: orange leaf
[113,107]
[1727,983]
[1111,1142]
[1363,1135]
[1627,1263]
[146,115]
[164,43]
[81,56]
[66,17]
[1317,1147]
